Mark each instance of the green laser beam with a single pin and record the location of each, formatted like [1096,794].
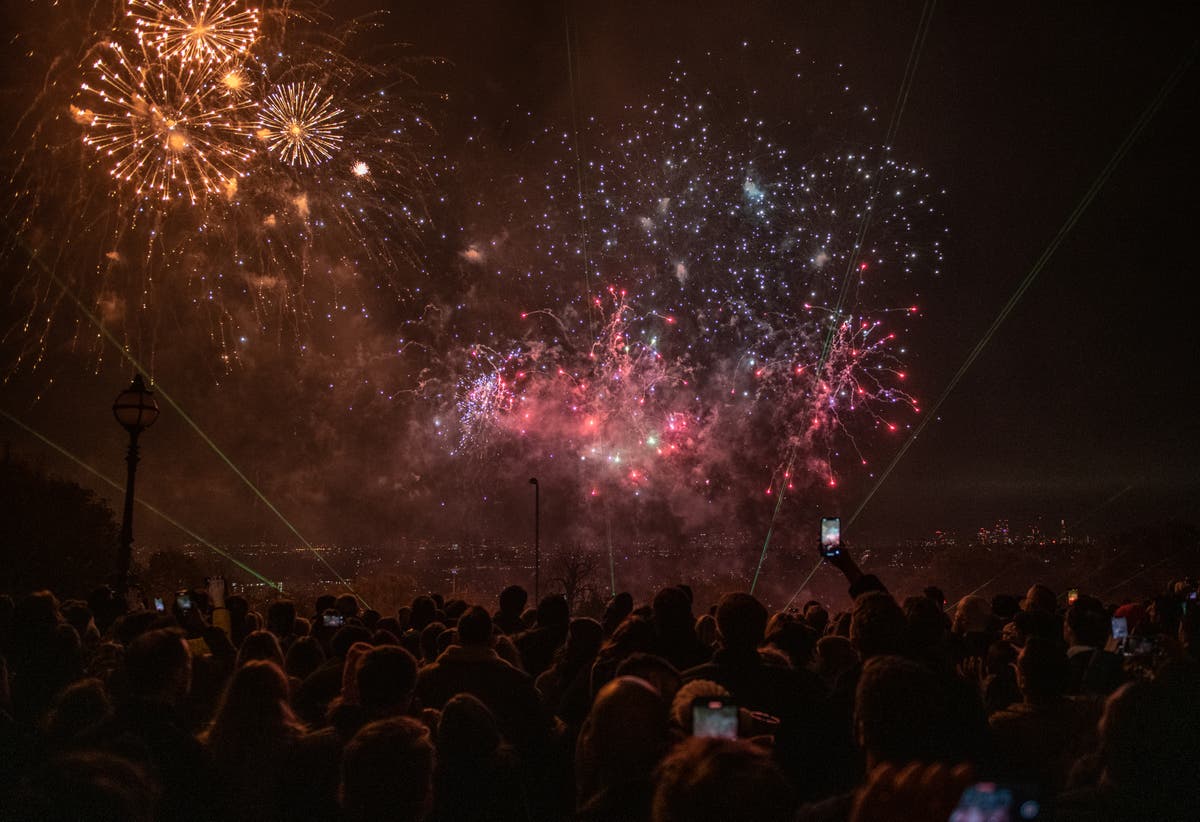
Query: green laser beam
[1072,219]
[149,507]
[803,584]
[906,83]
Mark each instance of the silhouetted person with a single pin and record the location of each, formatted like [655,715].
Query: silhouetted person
[473,667]
[1149,747]
[621,743]
[148,726]
[539,644]
[633,636]
[565,687]
[1094,669]
[84,786]
[281,621]
[250,739]
[715,780]
[674,629]
[303,657]
[1039,739]
[323,685]
[477,777]
[793,696]
[75,711]
[261,645]
[900,717]
[512,604]
[387,772]
[619,607]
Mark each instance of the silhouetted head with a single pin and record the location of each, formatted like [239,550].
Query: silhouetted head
[79,706]
[972,614]
[793,637]
[512,601]
[654,669]
[1039,598]
[1043,671]
[816,616]
[935,595]
[742,621]
[303,657]
[714,780]
[429,640]
[900,713]
[706,629]
[926,623]
[387,771]
[347,605]
[386,677]
[475,627]
[158,666]
[619,607]
[623,737]
[553,612]
[346,636]
[467,731]
[877,626]
[86,786]
[1087,623]
[253,720]
[260,645]
[672,611]
[424,611]
[1150,737]
[1005,606]
[281,617]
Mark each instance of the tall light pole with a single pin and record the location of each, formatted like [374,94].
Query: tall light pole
[537,539]
[136,410]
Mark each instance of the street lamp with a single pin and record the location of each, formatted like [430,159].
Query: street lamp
[537,538]
[136,410]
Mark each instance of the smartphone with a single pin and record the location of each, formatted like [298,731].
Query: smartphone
[1072,595]
[1120,628]
[714,716]
[1139,646]
[333,620]
[831,536]
[158,604]
[184,601]
[994,802]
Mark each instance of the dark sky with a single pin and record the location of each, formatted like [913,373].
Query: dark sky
[1015,109]
[1088,388]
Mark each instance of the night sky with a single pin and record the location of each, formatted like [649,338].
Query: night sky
[1085,393]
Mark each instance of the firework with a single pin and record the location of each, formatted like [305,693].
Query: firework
[785,304]
[163,128]
[206,30]
[299,122]
[164,200]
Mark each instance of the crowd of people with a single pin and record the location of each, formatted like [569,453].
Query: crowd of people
[206,709]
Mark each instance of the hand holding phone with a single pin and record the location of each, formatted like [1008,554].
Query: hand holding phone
[333,620]
[831,537]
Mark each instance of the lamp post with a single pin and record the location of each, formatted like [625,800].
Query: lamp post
[537,538]
[136,410]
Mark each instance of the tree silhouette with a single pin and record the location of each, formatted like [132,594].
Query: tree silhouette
[576,571]
[54,533]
